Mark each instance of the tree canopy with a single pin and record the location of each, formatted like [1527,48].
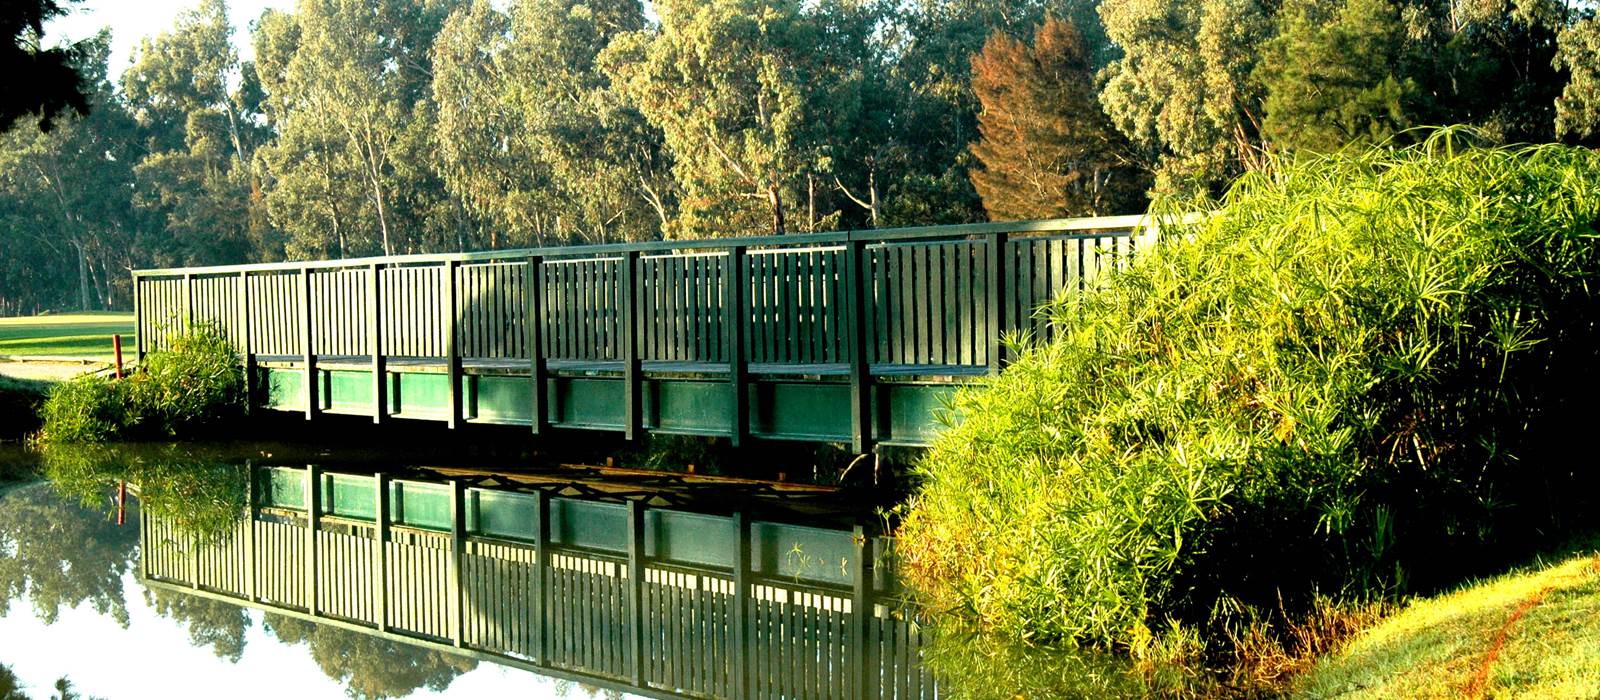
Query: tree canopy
[399,126]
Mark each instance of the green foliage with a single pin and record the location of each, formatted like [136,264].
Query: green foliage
[89,409]
[371,667]
[1578,109]
[1337,76]
[79,558]
[1047,150]
[1365,372]
[201,492]
[195,385]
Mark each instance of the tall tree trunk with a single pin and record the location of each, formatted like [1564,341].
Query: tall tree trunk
[777,208]
[83,276]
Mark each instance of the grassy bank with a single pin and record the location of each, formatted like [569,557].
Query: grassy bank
[1534,633]
[76,336]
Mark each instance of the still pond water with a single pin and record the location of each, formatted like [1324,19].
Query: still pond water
[429,581]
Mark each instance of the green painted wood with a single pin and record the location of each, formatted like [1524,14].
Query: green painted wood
[533,343]
[313,490]
[856,312]
[632,296]
[380,551]
[452,314]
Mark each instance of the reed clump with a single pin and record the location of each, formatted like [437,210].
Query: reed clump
[1365,373]
[194,385]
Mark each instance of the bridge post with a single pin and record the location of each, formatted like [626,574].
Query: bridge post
[313,524]
[251,498]
[630,346]
[248,352]
[860,377]
[456,611]
[636,591]
[188,302]
[380,552]
[380,379]
[996,266]
[533,329]
[735,315]
[541,576]
[741,608]
[862,614]
[308,355]
[452,355]
[138,322]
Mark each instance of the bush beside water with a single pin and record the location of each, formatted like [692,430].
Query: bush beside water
[1362,377]
[194,385]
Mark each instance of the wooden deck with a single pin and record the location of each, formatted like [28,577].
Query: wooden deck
[856,337]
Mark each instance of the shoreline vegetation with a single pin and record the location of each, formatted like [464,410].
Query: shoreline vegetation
[1353,385]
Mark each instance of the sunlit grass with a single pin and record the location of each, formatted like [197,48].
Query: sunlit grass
[1530,634]
[77,336]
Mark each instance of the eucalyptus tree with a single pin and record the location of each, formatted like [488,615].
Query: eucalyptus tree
[370,666]
[756,101]
[35,80]
[200,110]
[1578,109]
[532,135]
[347,91]
[64,199]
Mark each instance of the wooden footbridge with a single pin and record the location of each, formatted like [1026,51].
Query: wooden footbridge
[840,337]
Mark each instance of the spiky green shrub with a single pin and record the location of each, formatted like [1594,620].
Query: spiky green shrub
[87,409]
[195,384]
[1363,374]
[197,381]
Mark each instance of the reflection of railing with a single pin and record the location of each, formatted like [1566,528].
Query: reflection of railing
[841,336]
[659,602]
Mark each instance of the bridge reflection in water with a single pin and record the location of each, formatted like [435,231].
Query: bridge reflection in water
[601,586]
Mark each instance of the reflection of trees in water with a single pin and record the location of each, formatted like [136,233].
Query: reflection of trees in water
[211,623]
[982,667]
[564,689]
[60,554]
[202,491]
[369,666]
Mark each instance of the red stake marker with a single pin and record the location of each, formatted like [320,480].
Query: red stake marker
[116,348]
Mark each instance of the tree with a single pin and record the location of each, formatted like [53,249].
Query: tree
[35,81]
[371,667]
[347,87]
[1183,90]
[1046,148]
[61,555]
[211,623]
[533,137]
[749,98]
[1338,74]
[64,196]
[202,135]
[1578,109]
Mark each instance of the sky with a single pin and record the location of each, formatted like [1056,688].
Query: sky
[132,20]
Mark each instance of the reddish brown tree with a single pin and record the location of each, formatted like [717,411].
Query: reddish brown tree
[1046,149]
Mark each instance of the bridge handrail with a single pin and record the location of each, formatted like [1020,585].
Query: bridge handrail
[1132,222]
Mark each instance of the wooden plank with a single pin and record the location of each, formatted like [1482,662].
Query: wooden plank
[247,353]
[636,591]
[533,327]
[736,313]
[861,611]
[313,491]
[375,343]
[860,389]
[632,387]
[995,296]
[739,645]
[307,355]
[380,551]
[541,578]
[452,356]
[458,536]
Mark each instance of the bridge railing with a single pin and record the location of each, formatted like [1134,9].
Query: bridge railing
[859,306]
[659,602]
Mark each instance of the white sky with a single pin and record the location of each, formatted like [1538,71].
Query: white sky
[153,658]
[132,20]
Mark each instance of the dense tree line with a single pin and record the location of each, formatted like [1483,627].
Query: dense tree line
[397,126]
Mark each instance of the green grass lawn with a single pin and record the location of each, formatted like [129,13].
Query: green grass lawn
[1530,634]
[78,336]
